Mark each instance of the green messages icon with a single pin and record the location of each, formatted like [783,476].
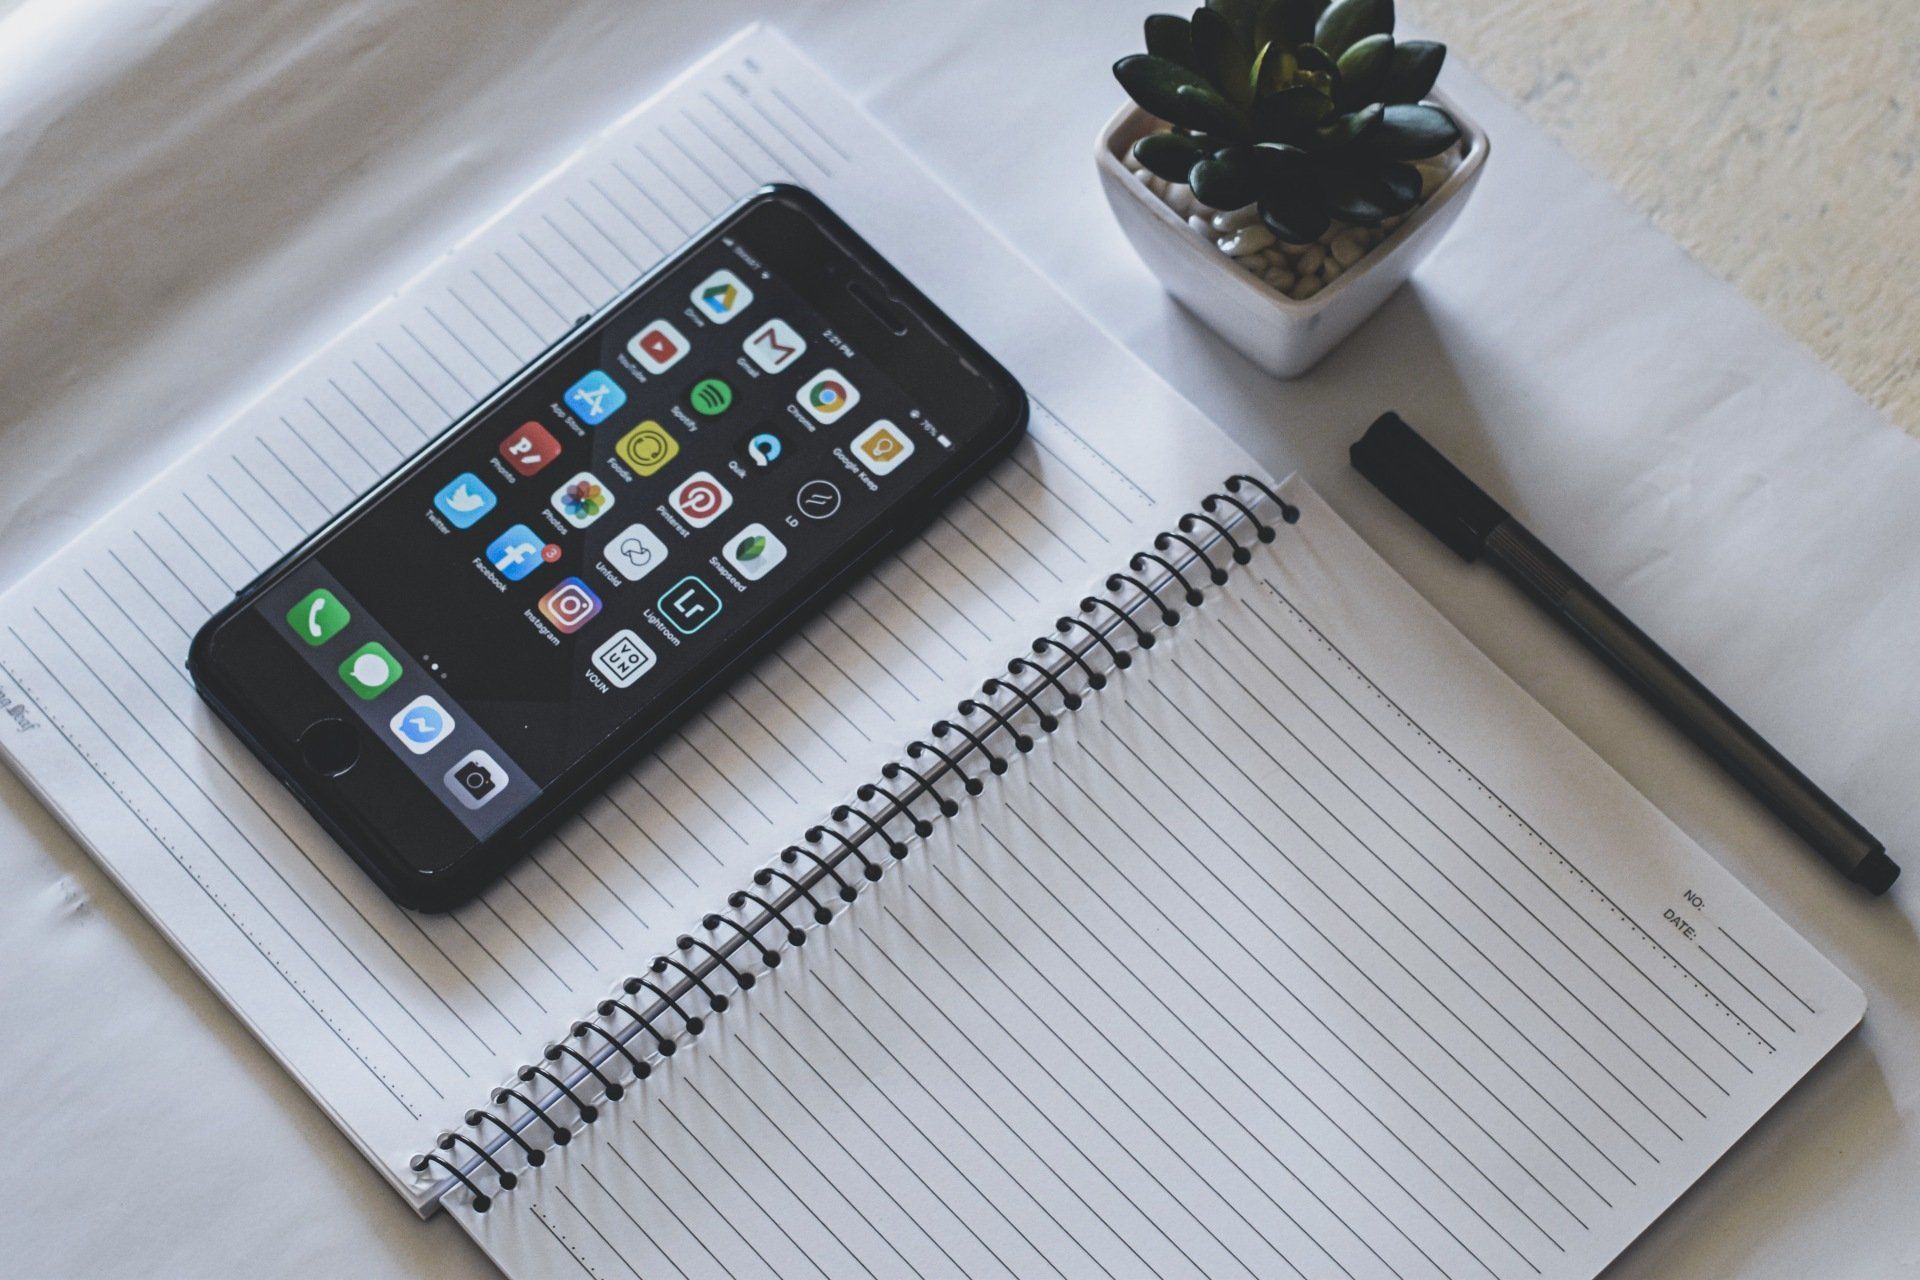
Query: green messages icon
[370,670]
[318,618]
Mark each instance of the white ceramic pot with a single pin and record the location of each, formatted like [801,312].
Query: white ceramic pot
[1283,336]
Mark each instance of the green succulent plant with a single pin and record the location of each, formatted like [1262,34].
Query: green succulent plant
[1310,110]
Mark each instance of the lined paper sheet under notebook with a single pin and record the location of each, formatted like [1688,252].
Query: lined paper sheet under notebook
[1311,947]
[399,1023]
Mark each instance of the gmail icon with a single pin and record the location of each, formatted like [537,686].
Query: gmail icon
[775,345]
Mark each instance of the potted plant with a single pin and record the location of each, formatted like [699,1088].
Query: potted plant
[1285,167]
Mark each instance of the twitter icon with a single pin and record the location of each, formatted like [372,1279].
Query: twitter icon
[465,501]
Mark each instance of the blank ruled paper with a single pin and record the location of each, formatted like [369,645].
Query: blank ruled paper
[1310,947]
[399,1023]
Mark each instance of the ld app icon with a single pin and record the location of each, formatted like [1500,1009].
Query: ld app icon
[647,448]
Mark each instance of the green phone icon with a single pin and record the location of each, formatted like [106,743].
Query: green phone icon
[318,618]
[370,670]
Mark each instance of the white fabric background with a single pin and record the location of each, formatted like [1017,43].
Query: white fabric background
[193,193]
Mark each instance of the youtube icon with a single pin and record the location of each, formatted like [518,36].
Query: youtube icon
[658,347]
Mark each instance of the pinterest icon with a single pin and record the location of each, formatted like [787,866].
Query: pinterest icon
[700,499]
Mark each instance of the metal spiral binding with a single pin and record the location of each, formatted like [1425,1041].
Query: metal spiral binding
[805,882]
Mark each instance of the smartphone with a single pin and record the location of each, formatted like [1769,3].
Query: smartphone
[457,661]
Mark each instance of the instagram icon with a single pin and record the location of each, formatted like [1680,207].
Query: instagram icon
[570,605]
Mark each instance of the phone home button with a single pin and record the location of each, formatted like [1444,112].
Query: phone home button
[330,747]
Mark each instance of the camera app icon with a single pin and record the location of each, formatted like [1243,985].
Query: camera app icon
[476,779]
[570,606]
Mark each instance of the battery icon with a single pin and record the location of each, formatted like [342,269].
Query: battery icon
[944,442]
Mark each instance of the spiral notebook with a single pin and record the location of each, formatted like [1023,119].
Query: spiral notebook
[1132,876]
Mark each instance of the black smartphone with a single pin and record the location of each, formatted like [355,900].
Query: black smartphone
[455,662]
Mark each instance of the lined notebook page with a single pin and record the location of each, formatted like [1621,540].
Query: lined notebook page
[1312,947]
[399,1023]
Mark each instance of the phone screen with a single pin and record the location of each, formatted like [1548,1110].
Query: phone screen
[670,483]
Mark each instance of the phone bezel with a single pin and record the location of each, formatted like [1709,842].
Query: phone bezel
[464,875]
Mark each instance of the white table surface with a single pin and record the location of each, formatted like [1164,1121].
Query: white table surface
[194,193]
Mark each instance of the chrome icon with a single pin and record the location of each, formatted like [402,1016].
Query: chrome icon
[827,396]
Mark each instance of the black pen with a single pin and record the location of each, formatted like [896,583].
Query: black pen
[1458,512]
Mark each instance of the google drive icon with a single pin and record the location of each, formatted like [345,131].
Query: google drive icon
[721,296]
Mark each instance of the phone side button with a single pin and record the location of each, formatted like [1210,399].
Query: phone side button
[330,747]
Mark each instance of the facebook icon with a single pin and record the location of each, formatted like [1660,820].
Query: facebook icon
[517,552]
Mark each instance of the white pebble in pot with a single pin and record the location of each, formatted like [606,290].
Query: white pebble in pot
[1235,219]
[1251,239]
[1347,249]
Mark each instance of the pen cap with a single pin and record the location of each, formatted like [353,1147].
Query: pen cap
[1426,486]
